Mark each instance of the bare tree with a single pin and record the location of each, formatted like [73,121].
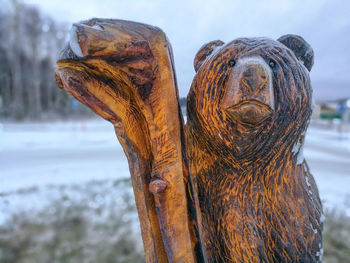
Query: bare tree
[29,46]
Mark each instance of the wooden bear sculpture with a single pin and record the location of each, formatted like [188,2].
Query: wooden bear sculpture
[231,185]
[248,109]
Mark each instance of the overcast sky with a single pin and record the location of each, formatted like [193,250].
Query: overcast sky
[325,24]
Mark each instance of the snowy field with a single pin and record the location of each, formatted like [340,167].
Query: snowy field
[328,155]
[59,153]
[74,152]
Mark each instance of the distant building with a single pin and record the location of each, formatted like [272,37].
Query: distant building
[336,109]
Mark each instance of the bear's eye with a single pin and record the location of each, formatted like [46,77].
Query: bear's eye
[231,63]
[272,63]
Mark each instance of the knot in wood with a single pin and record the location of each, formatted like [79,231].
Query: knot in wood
[157,186]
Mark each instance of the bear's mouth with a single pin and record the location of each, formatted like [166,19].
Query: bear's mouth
[68,69]
[68,54]
[70,65]
[72,51]
[250,112]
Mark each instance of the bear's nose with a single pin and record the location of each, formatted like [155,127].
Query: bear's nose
[254,78]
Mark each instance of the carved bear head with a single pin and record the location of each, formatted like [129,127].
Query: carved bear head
[251,95]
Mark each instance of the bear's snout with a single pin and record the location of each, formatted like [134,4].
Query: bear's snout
[254,78]
[249,94]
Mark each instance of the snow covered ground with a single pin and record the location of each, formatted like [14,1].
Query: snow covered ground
[328,155]
[66,153]
[37,154]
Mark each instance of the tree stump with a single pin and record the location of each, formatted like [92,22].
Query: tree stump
[231,185]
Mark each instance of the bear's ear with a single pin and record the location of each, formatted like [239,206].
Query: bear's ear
[204,52]
[302,50]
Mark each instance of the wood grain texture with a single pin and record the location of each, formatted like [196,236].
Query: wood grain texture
[248,110]
[124,72]
[231,185]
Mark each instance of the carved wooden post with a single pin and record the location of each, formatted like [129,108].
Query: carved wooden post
[231,186]
[124,72]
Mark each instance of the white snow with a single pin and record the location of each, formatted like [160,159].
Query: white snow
[74,42]
[313,229]
[307,181]
[320,254]
[327,153]
[39,154]
[322,219]
[59,153]
[298,150]
[300,156]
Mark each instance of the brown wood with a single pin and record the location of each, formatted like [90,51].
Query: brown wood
[248,110]
[124,72]
[230,186]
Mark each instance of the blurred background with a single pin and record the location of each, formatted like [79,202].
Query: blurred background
[65,192]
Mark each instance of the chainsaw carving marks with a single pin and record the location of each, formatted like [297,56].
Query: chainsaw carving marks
[231,185]
[248,110]
[124,72]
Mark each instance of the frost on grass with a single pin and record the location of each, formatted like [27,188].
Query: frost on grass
[91,222]
[97,222]
[336,237]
